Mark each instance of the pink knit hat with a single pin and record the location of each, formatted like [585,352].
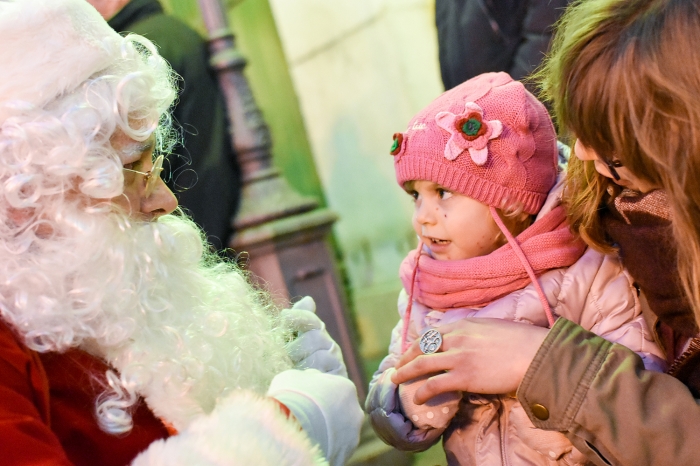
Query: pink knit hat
[488,138]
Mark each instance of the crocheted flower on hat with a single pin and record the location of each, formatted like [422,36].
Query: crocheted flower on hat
[469,130]
[397,144]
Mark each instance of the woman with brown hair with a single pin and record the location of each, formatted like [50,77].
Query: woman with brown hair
[623,79]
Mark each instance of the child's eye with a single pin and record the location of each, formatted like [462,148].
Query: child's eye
[443,193]
[413,194]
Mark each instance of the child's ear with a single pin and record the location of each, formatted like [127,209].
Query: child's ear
[525,218]
[516,224]
[500,239]
[523,222]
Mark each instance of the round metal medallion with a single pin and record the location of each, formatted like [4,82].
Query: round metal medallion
[430,341]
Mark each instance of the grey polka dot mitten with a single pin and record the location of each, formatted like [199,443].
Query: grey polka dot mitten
[436,413]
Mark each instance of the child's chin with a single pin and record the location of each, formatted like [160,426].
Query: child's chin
[441,256]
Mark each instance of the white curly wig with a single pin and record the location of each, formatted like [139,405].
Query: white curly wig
[181,327]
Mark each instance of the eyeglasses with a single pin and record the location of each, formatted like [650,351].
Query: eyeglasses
[612,165]
[150,177]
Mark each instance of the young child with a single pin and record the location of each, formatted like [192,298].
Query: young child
[481,163]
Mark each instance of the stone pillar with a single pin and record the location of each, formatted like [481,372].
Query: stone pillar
[285,235]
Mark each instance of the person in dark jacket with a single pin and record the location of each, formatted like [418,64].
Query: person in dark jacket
[204,173]
[478,36]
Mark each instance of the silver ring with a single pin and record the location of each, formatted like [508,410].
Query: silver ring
[430,341]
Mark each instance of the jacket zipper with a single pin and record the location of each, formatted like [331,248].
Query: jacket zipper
[502,424]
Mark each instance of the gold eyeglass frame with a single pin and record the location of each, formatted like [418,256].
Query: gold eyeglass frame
[152,176]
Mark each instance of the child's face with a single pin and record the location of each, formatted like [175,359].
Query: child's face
[452,225]
[627,178]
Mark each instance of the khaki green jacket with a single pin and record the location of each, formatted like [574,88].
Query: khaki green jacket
[613,410]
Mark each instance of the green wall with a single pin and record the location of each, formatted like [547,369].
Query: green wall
[256,37]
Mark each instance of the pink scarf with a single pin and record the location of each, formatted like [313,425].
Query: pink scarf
[441,285]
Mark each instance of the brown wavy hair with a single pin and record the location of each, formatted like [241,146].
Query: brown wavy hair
[623,76]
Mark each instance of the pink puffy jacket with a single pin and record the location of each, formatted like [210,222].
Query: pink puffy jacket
[595,292]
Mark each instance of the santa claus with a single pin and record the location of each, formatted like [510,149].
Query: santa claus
[122,338]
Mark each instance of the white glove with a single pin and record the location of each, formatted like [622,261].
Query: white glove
[326,406]
[313,347]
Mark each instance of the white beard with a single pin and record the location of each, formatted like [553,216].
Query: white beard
[181,328]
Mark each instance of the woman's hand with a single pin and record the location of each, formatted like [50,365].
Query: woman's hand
[488,356]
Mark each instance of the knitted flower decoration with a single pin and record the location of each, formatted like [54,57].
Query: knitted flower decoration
[396,145]
[469,131]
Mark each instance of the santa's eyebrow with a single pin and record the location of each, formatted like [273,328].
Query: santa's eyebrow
[136,148]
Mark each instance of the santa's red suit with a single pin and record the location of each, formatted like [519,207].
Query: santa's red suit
[47,410]
[123,340]
[47,417]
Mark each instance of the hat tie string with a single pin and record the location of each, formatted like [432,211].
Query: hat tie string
[526,264]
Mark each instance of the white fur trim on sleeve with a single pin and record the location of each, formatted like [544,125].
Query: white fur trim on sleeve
[244,429]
